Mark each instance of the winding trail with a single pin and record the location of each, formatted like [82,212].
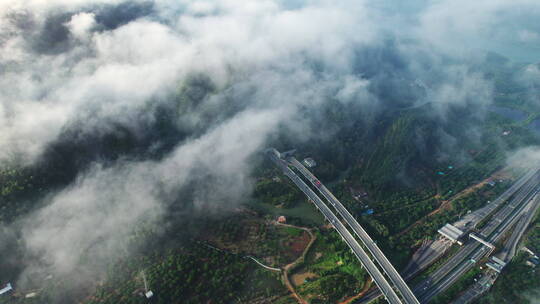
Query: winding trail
[285,269]
[262,265]
[447,204]
[362,292]
[300,259]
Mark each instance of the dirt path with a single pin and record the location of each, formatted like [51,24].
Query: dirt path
[300,259]
[447,204]
[365,289]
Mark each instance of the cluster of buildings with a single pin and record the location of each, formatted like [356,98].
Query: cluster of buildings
[358,196]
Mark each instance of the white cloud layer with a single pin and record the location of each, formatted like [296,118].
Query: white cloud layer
[63,63]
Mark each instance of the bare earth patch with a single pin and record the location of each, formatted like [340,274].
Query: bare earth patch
[299,278]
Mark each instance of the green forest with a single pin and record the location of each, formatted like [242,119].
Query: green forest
[405,175]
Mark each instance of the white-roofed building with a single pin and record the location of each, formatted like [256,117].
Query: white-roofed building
[452,233]
[6,289]
[310,162]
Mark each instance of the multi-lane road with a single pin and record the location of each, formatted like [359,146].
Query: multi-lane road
[482,285]
[472,219]
[510,247]
[510,207]
[434,252]
[377,254]
[521,196]
[506,254]
[473,251]
[358,251]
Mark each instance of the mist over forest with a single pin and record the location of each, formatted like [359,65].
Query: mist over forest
[123,116]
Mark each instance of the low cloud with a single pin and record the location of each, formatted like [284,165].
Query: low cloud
[89,224]
[524,158]
[225,77]
[528,36]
